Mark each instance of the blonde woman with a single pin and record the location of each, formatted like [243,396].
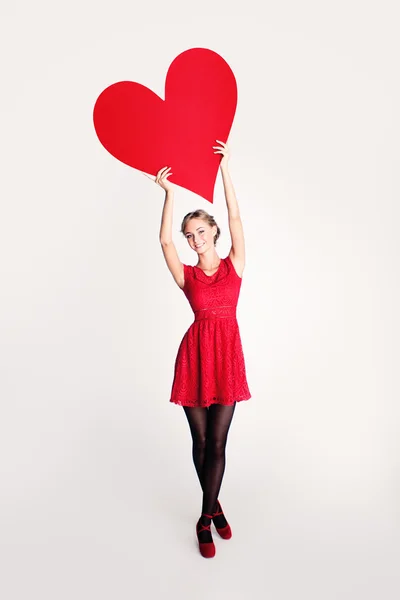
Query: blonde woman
[210,374]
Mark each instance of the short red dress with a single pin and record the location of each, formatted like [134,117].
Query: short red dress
[210,367]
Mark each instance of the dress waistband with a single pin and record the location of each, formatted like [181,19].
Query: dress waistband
[216,312]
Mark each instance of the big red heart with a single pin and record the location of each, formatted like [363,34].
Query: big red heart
[146,132]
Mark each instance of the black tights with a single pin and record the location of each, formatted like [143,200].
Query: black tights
[209,428]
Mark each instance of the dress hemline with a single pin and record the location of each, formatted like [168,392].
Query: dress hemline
[209,403]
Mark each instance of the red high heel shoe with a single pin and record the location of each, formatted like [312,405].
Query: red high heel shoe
[224,532]
[207,549]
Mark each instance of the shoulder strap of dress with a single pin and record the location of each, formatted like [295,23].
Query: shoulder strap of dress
[187,272]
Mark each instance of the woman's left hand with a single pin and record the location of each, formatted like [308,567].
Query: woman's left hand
[224,150]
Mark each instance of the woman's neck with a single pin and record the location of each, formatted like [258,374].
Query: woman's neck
[209,261]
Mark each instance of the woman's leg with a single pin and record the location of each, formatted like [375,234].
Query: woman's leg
[218,423]
[197,419]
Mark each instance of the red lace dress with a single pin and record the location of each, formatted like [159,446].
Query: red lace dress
[209,367]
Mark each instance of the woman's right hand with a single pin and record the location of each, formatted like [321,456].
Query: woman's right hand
[162,179]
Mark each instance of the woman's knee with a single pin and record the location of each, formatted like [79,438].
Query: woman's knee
[216,446]
[199,443]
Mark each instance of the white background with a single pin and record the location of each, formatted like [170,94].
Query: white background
[99,495]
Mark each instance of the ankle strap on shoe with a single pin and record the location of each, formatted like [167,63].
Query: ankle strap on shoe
[219,510]
[201,527]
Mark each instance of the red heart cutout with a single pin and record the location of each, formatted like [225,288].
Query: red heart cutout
[146,132]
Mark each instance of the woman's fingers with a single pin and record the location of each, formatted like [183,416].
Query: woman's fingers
[162,173]
[162,177]
[161,170]
[221,150]
[165,175]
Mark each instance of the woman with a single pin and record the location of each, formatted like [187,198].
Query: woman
[210,375]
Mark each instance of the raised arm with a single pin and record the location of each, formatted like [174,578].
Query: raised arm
[168,247]
[237,251]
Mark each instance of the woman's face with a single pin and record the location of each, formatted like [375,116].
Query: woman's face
[200,235]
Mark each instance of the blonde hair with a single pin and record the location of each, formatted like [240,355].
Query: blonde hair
[201,214]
